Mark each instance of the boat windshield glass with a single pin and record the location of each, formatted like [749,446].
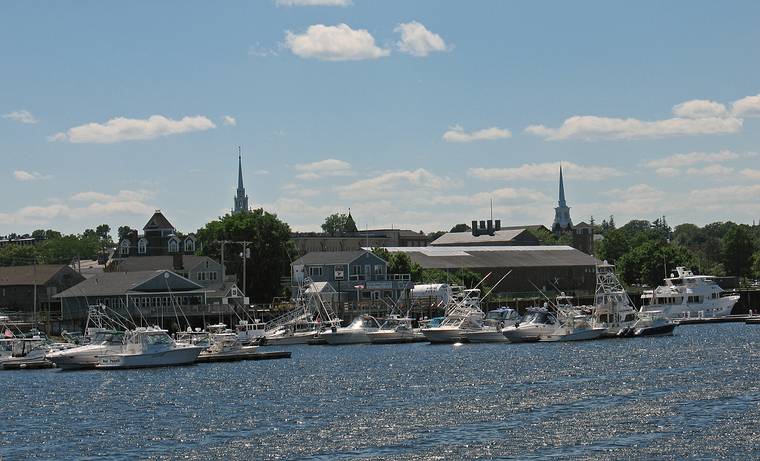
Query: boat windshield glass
[158,339]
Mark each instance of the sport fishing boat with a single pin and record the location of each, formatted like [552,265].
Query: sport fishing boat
[491,331]
[574,327]
[311,316]
[88,356]
[395,330]
[686,295]
[149,347]
[538,322]
[357,332]
[250,332]
[462,314]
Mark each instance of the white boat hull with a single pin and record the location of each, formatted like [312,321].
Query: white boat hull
[443,335]
[80,357]
[526,333]
[345,337]
[577,335]
[170,357]
[713,308]
[485,336]
[297,338]
[394,337]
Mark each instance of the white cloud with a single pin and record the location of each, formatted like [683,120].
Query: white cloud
[417,40]
[313,2]
[334,43]
[457,134]
[590,127]
[21,175]
[260,51]
[229,120]
[714,171]
[546,172]
[699,108]
[747,107]
[726,195]
[21,116]
[750,173]
[505,194]
[395,183]
[83,206]
[692,158]
[323,168]
[129,129]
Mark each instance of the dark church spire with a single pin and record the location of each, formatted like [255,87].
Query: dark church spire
[241,200]
[562,221]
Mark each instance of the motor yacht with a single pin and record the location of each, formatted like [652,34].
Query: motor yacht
[538,322]
[686,295]
[355,333]
[494,322]
[394,330]
[149,347]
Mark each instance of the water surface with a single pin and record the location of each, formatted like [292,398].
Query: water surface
[693,395]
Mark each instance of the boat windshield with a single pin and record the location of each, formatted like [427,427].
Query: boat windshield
[158,339]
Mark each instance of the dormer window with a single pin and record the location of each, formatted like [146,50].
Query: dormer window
[124,249]
[142,246]
[189,245]
[173,245]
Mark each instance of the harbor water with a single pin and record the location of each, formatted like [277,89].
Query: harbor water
[692,395]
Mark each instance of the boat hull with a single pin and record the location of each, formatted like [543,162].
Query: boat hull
[298,338]
[485,336]
[443,335]
[394,337]
[171,357]
[577,335]
[345,337]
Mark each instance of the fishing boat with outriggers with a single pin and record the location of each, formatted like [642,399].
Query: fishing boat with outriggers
[301,325]
[149,347]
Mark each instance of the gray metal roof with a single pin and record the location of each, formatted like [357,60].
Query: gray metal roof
[330,257]
[120,283]
[496,256]
[150,263]
[29,275]
[460,238]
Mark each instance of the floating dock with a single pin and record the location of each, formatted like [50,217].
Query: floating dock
[726,319]
[246,355]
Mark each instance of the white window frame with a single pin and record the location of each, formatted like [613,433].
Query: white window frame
[189,245]
[124,249]
[175,242]
[142,246]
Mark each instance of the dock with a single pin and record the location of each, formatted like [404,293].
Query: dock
[727,319]
[238,356]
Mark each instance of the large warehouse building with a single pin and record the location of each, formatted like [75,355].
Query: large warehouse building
[550,268]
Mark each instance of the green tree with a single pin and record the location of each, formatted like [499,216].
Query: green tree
[614,245]
[270,250]
[650,262]
[756,265]
[123,232]
[461,228]
[339,223]
[736,251]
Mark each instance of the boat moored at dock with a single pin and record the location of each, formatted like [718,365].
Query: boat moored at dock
[149,347]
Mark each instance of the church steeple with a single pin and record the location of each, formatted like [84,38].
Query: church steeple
[241,200]
[562,221]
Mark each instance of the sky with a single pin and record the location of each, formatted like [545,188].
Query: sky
[412,114]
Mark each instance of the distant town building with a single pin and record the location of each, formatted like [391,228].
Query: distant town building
[307,242]
[159,238]
[583,237]
[18,284]
[487,233]
[241,200]
[20,241]
[350,276]
[562,221]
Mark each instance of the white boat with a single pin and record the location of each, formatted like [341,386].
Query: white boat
[18,353]
[574,328]
[311,316]
[395,330]
[355,333]
[149,347]
[462,314]
[88,356]
[491,331]
[686,295]
[250,331]
[538,322]
[296,332]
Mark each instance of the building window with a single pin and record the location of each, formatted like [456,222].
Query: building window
[189,245]
[201,276]
[212,276]
[379,269]
[124,248]
[315,271]
[173,245]
[142,246]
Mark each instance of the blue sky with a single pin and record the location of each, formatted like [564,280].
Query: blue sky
[413,114]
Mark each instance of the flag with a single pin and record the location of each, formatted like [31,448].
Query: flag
[8,333]
[359,287]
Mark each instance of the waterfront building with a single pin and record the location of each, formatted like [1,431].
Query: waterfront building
[143,296]
[350,277]
[307,242]
[29,290]
[562,221]
[241,199]
[547,267]
[159,238]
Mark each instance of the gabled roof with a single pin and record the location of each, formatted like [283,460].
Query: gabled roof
[30,275]
[466,238]
[331,257]
[150,263]
[121,283]
[475,257]
[158,222]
